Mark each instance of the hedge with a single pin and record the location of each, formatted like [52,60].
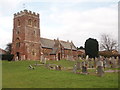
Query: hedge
[8,57]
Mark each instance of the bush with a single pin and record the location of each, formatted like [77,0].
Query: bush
[8,57]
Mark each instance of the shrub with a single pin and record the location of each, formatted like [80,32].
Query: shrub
[8,57]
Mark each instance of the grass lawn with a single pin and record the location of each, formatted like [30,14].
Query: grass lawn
[17,75]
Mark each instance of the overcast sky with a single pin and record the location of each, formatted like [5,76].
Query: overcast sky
[73,20]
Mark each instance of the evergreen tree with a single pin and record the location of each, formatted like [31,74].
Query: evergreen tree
[9,48]
[91,47]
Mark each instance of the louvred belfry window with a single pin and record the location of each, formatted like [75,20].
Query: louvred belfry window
[17,43]
[29,22]
[35,23]
[18,22]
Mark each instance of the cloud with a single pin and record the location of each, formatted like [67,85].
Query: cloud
[5,38]
[80,25]
[73,1]
[63,22]
[6,26]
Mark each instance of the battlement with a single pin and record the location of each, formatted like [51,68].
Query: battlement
[27,13]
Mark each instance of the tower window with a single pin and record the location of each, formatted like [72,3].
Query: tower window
[29,22]
[34,33]
[17,43]
[33,53]
[35,23]
[17,32]
[18,22]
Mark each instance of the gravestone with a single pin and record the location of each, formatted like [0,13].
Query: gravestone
[95,61]
[87,57]
[90,64]
[118,61]
[107,63]
[100,71]
[47,65]
[31,67]
[78,65]
[42,59]
[57,67]
[104,63]
[16,58]
[75,68]
[110,62]
[84,68]
[113,62]
[79,58]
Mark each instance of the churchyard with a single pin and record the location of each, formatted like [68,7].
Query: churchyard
[59,74]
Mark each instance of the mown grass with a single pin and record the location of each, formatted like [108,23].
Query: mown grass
[17,75]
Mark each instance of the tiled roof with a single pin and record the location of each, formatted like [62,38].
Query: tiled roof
[48,43]
[68,45]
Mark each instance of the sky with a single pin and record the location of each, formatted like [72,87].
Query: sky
[73,20]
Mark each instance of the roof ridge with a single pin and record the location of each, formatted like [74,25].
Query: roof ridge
[47,39]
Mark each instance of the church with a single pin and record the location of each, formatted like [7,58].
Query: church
[27,44]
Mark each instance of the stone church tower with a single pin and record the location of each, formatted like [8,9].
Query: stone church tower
[26,36]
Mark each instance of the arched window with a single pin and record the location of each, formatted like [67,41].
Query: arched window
[17,31]
[35,23]
[33,52]
[18,22]
[33,45]
[34,32]
[17,43]
[29,22]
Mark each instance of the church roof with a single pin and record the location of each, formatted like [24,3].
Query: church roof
[48,43]
[68,45]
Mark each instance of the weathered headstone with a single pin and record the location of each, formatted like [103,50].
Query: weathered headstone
[75,69]
[84,68]
[100,71]
[87,57]
[113,62]
[57,67]
[107,63]
[118,61]
[47,66]
[104,63]
[78,65]
[95,61]
[90,64]
[42,58]
[31,67]
[16,58]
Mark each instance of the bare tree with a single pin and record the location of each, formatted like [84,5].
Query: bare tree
[107,42]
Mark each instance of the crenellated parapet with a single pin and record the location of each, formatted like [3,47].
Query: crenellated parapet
[26,12]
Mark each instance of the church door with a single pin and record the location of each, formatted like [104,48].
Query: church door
[58,56]
[18,55]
